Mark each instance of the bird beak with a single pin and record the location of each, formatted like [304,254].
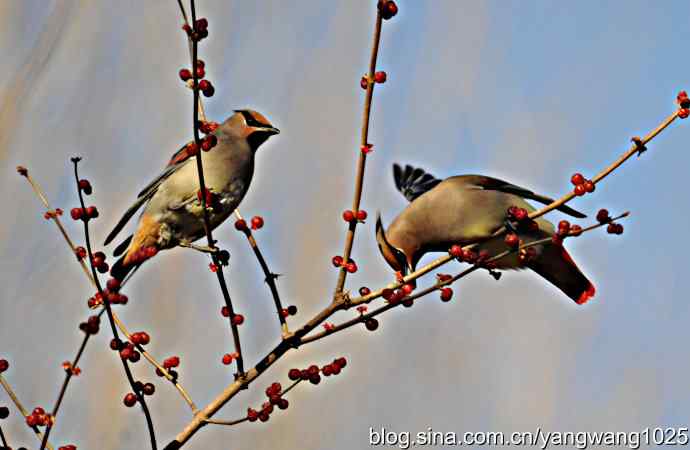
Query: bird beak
[270,130]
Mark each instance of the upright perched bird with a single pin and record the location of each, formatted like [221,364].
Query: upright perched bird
[466,209]
[173,214]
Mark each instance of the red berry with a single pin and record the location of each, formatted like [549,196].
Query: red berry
[209,142]
[380,77]
[446,294]
[200,72]
[240,225]
[201,24]
[227,359]
[361,215]
[294,374]
[113,284]
[257,222]
[283,403]
[348,216]
[603,216]
[367,148]
[238,319]
[76,213]
[263,416]
[224,311]
[351,267]
[577,179]
[611,229]
[292,310]
[327,370]
[388,9]
[149,389]
[512,240]
[371,324]
[407,288]
[173,361]
[185,74]
[683,113]
[456,251]
[4,365]
[563,226]
[126,353]
[80,252]
[364,83]
[589,186]
[387,294]
[130,400]
[683,100]
[91,212]
[579,190]
[204,84]
[144,338]
[364,291]
[337,261]
[619,228]
[208,92]
[192,149]
[115,344]
[85,186]
[32,420]
[213,267]
[340,362]
[252,415]
[315,379]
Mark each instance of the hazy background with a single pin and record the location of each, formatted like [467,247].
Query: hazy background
[528,91]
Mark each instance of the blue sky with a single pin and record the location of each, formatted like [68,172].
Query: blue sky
[526,91]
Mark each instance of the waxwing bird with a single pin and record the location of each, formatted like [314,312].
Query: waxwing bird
[467,209]
[173,212]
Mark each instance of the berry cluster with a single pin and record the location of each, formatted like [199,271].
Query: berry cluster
[205,86]
[237,319]
[339,261]
[446,293]
[98,261]
[274,393]
[582,185]
[200,30]
[379,77]
[228,358]
[91,326]
[289,311]
[53,214]
[127,350]
[394,296]
[112,293]
[256,223]
[39,418]
[351,216]
[313,374]
[84,214]
[143,388]
[68,367]
[85,187]
[564,230]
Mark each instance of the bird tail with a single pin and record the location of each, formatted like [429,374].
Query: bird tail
[120,269]
[557,267]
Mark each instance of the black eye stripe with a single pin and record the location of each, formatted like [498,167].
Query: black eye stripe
[250,120]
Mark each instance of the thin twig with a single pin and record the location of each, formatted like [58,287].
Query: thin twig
[270,277]
[361,162]
[109,312]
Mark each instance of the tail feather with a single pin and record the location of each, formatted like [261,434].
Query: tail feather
[557,267]
[120,270]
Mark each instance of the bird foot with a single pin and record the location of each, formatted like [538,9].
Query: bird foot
[509,226]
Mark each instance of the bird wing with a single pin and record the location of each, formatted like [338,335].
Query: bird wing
[495,184]
[176,162]
[413,182]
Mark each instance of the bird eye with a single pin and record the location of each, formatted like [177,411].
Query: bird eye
[251,120]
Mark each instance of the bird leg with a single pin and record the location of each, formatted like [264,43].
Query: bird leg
[510,226]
